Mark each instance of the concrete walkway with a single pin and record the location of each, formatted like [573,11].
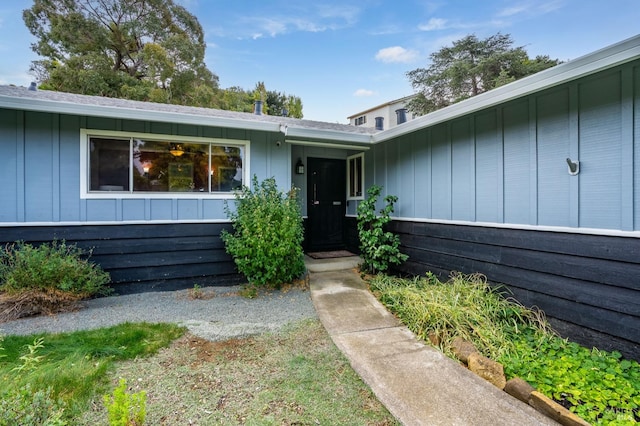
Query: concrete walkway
[417,383]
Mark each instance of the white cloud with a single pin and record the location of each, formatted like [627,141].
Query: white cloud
[434,24]
[396,54]
[364,93]
[530,8]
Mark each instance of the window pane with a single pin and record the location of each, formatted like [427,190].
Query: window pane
[356,176]
[226,168]
[161,166]
[108,164]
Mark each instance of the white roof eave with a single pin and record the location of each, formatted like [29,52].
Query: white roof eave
[46,105]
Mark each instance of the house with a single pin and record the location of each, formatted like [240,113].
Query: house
[535,184]
[384,116]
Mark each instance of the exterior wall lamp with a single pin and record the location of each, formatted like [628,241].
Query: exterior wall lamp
[299,167]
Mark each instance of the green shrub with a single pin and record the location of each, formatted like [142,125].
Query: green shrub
[378,248]
[266,244]
[54,266]
[28,408]
[126,409]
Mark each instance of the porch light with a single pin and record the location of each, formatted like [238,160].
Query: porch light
[299,167]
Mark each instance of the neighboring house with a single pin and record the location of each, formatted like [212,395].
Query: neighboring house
[385,116]
[535,184]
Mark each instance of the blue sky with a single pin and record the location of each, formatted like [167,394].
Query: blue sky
[342,57]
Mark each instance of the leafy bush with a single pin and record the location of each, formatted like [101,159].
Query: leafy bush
[125,409]
[378,247]
[54,266]
[266,244]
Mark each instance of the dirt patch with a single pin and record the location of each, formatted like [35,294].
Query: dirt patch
[292,377]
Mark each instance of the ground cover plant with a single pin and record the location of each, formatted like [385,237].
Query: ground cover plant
[266,242]
[47,278]
[600,387]
[54,376]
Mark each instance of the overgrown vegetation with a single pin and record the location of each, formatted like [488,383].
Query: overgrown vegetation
[47,278]
[295,376]
[266,244]
[378,248]
[54,376]
[600,387]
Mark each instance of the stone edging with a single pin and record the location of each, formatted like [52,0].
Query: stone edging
[493,372]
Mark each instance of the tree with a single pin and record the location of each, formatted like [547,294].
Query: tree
[134,49]
[273,102]
[470,67]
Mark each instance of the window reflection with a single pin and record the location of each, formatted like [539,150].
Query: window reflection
[165,166]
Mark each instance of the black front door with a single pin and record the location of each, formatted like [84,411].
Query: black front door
[326,197]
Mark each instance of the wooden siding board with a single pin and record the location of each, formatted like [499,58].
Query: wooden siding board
[517,157]
[38,157]
[69,168]
[553,148]
[600,152]
[636,147]
[9,161]
[592,246]
[626,140]
[602,320]
[488,171]
[610,272]
[188,209]
[422,166]
[462,171]
[112,232]
[133,209]
[440,173]
[405,178]
[151,245]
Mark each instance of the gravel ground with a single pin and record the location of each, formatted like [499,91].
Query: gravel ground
[221,315]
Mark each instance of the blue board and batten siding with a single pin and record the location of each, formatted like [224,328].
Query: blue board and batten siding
[490,192]
[145,243]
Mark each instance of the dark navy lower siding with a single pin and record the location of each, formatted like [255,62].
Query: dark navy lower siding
[146,257]
[588,285]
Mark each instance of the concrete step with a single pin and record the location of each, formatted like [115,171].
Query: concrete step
[335,264]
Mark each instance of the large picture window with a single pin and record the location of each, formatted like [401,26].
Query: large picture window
[148,163]
[355,174]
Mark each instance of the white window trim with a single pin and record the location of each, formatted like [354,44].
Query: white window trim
[360,197]
[84,166]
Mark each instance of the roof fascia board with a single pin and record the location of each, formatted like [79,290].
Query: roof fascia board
[334,135]
[327,145]
[43,105]
[625,51]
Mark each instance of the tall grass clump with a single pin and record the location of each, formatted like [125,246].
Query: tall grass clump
[465,306]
